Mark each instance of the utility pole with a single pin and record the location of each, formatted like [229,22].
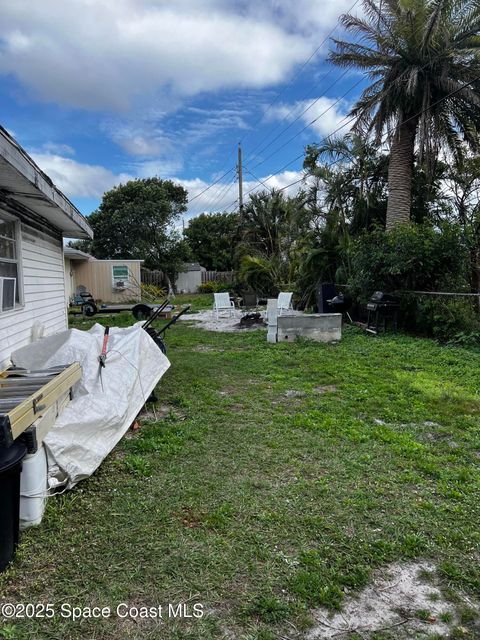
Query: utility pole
[240,179]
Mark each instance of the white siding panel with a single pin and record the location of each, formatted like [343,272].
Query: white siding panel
[42,283]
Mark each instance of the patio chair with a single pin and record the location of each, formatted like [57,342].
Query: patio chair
[222,302]
[284,302]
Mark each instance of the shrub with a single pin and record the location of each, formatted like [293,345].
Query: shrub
[409,257]
[452,320]
[152,291]
[214,287]
[417,257]
[262,274]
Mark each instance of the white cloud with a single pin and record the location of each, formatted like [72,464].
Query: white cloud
[77,179]
[139,145]
[100,54]
[81,180]
[314,18]
[58,148]
[113,53]
[223,195]
[162,168]
[330,113]
[211,122]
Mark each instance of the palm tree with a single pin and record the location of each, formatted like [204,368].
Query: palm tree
[274,230]
[423,60]
[353,181]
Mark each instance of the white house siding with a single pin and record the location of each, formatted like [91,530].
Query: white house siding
[43,300]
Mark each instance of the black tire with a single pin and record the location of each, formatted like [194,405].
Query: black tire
[161,345]
[141,311]
[89,309]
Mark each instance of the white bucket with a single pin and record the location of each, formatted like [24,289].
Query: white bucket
[33,488]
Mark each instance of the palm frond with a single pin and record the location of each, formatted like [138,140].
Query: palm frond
[350,52]
[423,57]
[451,85]
[433,22]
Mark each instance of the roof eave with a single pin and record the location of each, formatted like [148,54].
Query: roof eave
[75,224]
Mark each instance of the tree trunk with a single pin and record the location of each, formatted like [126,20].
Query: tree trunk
[400,168]
[171,292]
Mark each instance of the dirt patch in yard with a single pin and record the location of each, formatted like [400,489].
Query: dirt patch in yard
[326,388]
[206,348]
[403,600]
[227,324]
[154,413]
[294,393]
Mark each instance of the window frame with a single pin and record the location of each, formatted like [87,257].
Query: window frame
[17,261]
[116,279]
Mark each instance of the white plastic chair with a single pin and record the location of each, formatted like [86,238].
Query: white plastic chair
[284,302]
[222,302]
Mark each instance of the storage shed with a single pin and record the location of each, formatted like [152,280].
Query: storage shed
[190,278]
[115,281]
[34,218]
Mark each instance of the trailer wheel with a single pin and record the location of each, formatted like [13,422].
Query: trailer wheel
[161,345]
[141,311]
[89,309]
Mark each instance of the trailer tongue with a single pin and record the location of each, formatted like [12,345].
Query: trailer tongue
[158,334]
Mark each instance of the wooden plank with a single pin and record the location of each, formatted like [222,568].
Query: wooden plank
[40,428]
[32,373]
[34,407]
[23,382]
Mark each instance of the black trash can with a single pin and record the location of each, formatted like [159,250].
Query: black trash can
[10,469]
[325,292]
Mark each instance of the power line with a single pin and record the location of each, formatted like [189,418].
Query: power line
[222,193]
[281,93]
[275,99]
[211,185]
[335,131]
[255,178]
[317,118]
[286,116]
[387,135]
[309,124]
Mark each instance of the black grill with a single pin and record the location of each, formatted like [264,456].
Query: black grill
[382,308]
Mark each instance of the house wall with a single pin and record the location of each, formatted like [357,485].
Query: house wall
[41,276]
[188,281]
[96,276]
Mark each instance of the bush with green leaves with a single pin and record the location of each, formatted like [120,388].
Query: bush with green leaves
[417,257]
[410,257]
[214,287]
[452,320]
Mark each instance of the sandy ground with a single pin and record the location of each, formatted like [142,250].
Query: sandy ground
[207,320]
[392,602]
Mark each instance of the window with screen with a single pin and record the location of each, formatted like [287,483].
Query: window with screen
[9,253]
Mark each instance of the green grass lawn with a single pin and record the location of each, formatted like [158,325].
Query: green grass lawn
[261,503]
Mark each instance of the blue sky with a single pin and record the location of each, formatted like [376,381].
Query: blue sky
[101,91]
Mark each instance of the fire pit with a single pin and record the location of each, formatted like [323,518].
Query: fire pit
[252,319]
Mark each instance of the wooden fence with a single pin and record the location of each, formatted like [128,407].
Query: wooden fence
[153,277]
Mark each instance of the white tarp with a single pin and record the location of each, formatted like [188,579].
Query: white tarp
[103,408]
